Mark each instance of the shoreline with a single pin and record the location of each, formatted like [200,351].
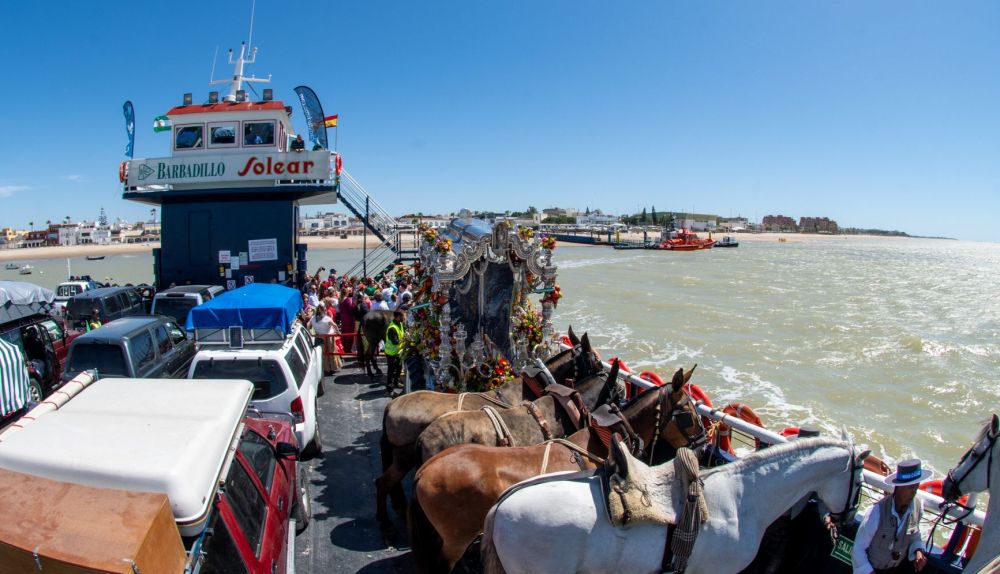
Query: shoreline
[355,242]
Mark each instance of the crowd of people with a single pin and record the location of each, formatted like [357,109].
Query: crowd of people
[334,305]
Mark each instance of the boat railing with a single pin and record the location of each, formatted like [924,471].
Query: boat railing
[874,482]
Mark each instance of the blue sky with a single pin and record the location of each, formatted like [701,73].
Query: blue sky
[876,114]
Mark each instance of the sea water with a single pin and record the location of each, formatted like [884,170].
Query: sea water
[896,340]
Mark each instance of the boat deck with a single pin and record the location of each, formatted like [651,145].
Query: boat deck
[344,535]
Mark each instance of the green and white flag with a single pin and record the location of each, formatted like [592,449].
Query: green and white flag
[161,124]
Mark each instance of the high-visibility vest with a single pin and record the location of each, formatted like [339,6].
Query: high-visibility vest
[392,349]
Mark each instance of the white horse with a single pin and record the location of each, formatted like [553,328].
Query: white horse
[975,472]
[557,527]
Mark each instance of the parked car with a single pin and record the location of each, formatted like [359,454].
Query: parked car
[142,347]
[177,302]
[186,452]
[43,342]
[286,376]
[111,303]
[66,290]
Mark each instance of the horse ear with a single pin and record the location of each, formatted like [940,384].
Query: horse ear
[843,434]
[860,461]
[572,337]
[678,380]
[585,343]
[687,375]
[995,423]
[613,373]
[618,458]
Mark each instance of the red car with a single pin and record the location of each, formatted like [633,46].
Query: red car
[264,488]
[44,343]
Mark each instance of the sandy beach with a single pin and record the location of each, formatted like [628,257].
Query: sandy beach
[355,242]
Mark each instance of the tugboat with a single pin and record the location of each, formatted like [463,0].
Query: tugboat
[685,240]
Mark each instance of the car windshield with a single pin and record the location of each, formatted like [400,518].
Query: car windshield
[107,359]
[176,307]
[266,376]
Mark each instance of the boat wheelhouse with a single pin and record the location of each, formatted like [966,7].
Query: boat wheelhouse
[230,190]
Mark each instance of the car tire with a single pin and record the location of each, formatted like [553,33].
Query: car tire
[321,389]
[302,511]
[35,392]
[315,446]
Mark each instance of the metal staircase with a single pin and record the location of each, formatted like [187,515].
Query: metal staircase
[388,249]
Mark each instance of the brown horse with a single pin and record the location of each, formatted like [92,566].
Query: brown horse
[522,425]
[472,477]
[407,416]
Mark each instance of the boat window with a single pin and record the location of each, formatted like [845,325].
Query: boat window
[297,365]
[107,359]
[258,133]
[222,555]
[143,354]
[247,504]
[188,137]
[266,376]
[222,135]
[258,453]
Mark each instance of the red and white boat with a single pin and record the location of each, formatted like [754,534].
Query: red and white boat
[685,240]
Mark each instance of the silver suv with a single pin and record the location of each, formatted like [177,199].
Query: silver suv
[177,302]
[286,376]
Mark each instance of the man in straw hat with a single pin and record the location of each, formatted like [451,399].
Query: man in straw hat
[889,538]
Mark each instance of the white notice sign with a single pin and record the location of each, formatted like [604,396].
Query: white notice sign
[223,257]
[263,249]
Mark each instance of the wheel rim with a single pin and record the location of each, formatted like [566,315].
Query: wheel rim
[34,391]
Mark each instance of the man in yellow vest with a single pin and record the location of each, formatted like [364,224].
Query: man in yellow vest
[393,345]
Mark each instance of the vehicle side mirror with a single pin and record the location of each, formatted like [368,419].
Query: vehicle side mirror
[286,450]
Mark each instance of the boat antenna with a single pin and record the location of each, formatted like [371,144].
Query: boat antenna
[253,8]
[215,58]
[236,82]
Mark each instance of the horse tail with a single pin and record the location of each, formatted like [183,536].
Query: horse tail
[359,343]
[425,542]
[491,560]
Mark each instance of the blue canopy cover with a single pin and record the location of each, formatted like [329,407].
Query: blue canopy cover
[254,306]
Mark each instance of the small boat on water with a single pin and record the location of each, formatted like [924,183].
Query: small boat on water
[25,270]
[685,240]
[95,257]
[11,266]
[727,241]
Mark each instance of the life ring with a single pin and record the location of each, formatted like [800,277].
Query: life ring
[630,391]
[722,432]
[652,377]
[338,164]
[122,171]
[936,487]
[621,364]
[565,341]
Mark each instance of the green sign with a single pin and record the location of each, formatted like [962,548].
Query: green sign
[842,550]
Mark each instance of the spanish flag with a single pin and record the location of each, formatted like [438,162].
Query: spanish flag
[330,121]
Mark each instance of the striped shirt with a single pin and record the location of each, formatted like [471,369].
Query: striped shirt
[13,379]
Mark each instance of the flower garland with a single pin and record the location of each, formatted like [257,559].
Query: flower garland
[494,372]
[528,323]
[525,233]
[548,242]
[429,234]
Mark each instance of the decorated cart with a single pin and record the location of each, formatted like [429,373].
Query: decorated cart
[473,324]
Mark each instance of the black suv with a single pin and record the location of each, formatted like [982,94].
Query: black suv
[111,303]
[145,346]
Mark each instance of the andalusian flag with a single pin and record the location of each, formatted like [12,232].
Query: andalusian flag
[161,124]
[330,121]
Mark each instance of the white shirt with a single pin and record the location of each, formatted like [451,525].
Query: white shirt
[323,325]
[380,305]
[866,533]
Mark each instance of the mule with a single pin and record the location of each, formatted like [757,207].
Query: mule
[371,332]
[472,477]
[530,423]
[975,472]
[561,526]
[407,416]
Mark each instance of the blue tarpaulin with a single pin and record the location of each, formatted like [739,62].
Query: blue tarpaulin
[254,306]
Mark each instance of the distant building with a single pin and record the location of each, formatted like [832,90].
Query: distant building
[596,218]
[733,224]
[560,212]
[779,223]
[817,225]
[697,222]
[35,238]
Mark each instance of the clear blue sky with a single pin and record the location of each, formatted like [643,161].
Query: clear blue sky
[876,114]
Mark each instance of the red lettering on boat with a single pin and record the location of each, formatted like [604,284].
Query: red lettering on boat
[247,167]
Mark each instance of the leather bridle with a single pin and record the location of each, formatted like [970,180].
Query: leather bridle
[665,402]
[853,495]
[951,488]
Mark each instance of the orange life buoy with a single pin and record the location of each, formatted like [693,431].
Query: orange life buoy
[338,164]
[696,393]
[936,487]
[722,432]
[652,377]
[565,341]
[122,171]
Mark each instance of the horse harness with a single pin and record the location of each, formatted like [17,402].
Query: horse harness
[577,454]
[954,483]
[570,401]
[676,410]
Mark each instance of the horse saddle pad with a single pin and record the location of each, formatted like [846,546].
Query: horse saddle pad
[571,403]
[638,494]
